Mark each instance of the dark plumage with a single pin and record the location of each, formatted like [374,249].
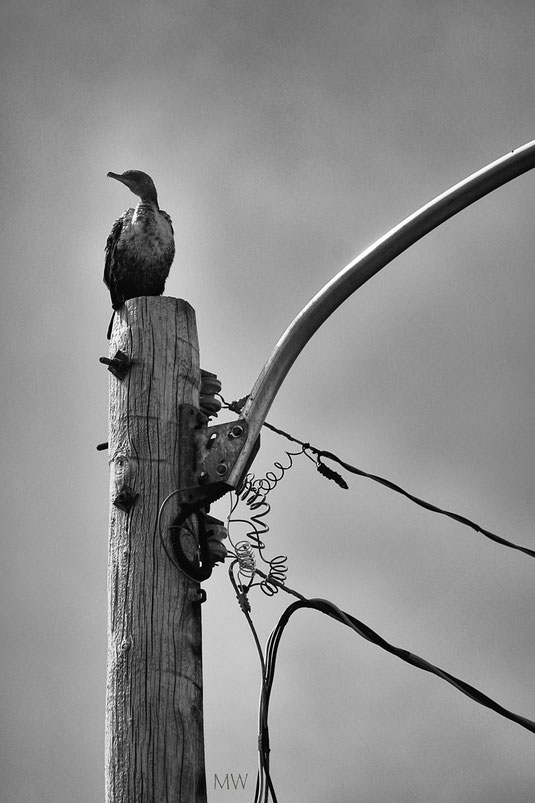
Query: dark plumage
[140,247]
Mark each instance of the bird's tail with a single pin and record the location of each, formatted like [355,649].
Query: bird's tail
[110,327]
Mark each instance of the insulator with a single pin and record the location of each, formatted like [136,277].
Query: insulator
[209,390]
[216,548]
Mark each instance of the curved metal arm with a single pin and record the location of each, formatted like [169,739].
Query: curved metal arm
[366,265]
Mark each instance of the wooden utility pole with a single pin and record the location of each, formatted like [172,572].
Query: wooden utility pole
[154,709]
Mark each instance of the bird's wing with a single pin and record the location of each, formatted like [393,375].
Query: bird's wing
[167,217]
[109,264]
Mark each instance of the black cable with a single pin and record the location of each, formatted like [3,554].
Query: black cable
[264,785]
[427,505]
[333,475]
[326,471]
[326,607]
[241,596]
[288,436]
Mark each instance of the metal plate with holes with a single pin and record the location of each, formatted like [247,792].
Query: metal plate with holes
[216,450]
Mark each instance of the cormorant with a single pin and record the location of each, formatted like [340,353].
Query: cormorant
[140,247]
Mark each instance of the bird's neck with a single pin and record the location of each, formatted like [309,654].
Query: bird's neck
[145,212]
[145,208]
[150,198]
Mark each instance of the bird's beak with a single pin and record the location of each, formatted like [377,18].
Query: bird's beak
[116,176]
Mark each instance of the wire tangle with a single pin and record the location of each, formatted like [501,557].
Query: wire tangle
[253,494]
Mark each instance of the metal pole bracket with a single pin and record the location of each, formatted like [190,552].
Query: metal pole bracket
[208,455]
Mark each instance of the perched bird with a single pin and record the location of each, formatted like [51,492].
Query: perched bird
[140,247]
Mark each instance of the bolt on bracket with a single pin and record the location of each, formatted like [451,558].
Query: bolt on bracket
[208,455]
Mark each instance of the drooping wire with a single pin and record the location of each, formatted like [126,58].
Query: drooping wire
[427,505]
[159,528]
[268,659]
[330,609]
[264,785]
[241,596]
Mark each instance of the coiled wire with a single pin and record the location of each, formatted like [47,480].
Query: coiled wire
[246,559]
[253,493]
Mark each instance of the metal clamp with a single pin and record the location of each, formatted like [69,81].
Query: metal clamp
[208,455]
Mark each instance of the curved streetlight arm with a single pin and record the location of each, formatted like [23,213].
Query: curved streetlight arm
[366,265]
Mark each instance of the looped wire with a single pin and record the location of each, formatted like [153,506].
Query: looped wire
[253,493]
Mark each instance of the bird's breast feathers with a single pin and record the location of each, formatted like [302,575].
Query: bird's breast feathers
[147,233]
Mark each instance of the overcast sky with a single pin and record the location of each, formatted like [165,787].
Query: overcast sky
[284,138]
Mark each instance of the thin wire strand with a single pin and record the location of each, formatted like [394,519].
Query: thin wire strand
[428,506]
[322,454]
[159,528]
[264,785]
[253,494]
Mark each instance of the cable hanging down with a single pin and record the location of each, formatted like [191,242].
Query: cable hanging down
[264,786]
[330,609]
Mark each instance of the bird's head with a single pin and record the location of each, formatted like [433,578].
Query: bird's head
[139,183]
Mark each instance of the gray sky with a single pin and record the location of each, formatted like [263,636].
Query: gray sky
[284,138]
